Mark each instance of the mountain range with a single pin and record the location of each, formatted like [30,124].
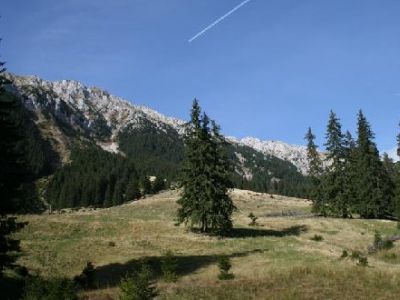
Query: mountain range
[67,113]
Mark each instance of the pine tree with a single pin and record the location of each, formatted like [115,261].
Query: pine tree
[132,190]
[397,181]
[146,186]
[158,184]
[315,171]
[205,177]
[192,175]
[10,173]
[138,286]
[349,171]
[373,187]
[333,192]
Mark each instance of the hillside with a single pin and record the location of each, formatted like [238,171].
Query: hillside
[70,117]
[275,260]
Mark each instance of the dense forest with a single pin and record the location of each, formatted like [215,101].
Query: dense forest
[93,178]
[354,179]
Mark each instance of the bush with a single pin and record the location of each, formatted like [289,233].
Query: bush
[378,240]
[355,254]
[169,265]
[362,261]
[111,244]
[380,244]
[344,254]
[87,277]
[21,271]
[253,219]
[317,238]
[224,265]
[37,288]
[390,256]
[139,286]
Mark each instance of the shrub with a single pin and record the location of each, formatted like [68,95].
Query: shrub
[87,277]
[37,288]
[355,254]
[224,265]
[169,265]
[390,256]
[21,271]
[380,244]
[378,240]
[387,244]
[362,261]
[139,286]
[253,219]
[344,254]
[111,244]
[317,238]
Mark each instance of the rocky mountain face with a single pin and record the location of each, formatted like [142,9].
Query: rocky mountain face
[67,112]
[99,115]
[295,154]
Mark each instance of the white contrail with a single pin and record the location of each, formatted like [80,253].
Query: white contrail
[219,20]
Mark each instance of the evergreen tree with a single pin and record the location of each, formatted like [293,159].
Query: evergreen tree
[397,181]
[315,171]
[132,190]
[11,170]
[205,177]
[349,192]
[333,185]
[138,286]
[373,187]
[158,184]
[146,186]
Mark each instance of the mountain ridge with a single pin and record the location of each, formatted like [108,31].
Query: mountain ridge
[118,113]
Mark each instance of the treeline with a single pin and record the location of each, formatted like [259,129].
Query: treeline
[31,158]
[269,174]
[154,151]
[352,179]
[95,177]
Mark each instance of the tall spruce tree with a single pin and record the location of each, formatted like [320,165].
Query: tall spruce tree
[349,171]
[205,172]
[374,192]
[397,181]
[10,173]
[333,192]
[315,170]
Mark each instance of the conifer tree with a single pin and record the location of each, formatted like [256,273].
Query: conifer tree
[10,173]
[205,177]
[373,187]
[333,192]
[132,190]
[349,170]
[158,184]
[397,181]
[146,186]
[315,170]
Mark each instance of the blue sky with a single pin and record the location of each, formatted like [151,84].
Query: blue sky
[269,70]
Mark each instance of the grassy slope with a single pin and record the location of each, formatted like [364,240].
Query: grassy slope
[276,260]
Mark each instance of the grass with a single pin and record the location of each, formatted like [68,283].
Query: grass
[275,260]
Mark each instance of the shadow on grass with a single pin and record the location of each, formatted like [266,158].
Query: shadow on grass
[110,275]
[255,232]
